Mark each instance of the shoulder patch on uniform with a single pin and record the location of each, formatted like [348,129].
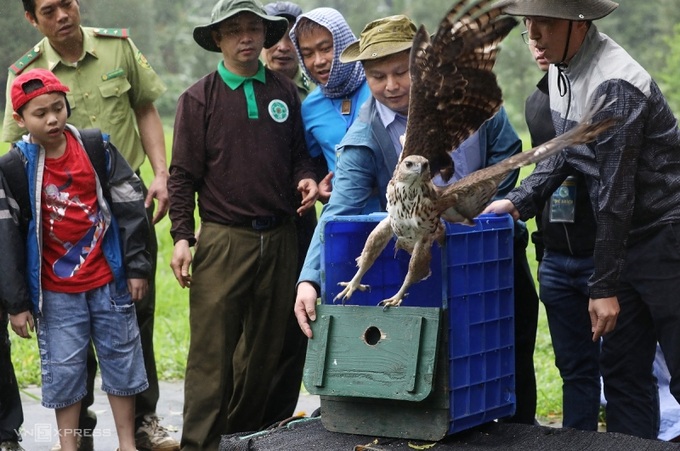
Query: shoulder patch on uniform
[141,60]
[23,62]
[121,33]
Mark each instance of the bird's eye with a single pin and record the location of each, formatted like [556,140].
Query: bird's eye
[409,164]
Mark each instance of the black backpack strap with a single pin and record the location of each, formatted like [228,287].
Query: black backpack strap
[14,170]
[93,141]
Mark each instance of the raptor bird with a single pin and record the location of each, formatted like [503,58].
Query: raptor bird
[453,91]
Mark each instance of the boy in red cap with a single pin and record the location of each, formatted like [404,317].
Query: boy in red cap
[86,262]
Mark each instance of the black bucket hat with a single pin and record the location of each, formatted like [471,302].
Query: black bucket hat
[562,9]
[224,9]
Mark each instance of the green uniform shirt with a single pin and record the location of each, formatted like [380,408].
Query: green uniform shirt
[304,84]
[110,80]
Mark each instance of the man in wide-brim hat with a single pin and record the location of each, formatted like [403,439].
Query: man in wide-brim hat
[633,176]
[567,12]
[563,9]
[239,149]
[275,26]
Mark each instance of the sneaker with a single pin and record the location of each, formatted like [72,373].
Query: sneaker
[11,445]
[84,444]
[151,436]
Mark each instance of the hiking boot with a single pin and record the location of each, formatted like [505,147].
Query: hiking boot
[151,436]
[11,445]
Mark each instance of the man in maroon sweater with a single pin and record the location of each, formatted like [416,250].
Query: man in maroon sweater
[239,144]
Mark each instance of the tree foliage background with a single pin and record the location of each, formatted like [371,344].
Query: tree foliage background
[162,29]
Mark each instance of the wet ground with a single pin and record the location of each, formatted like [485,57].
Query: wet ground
[40,427]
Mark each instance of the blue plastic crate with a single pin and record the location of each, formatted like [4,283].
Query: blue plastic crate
[472,278]
[479,274]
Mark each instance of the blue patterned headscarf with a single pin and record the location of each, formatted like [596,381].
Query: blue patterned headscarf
[344,78]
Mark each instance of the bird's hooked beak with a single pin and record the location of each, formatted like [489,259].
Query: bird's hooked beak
[416,164]
[412,168]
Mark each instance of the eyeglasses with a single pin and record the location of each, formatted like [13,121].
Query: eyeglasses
[525,37]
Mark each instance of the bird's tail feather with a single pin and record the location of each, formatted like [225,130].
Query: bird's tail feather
[477,24]
[584,132]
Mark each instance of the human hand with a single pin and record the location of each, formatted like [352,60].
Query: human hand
[158,190]
[305,307]
[502,206]
[310,192]
[137,288]
[325,188]
[22,323]
[603,314]
[181,262]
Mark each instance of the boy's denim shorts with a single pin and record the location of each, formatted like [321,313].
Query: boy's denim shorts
[67,323]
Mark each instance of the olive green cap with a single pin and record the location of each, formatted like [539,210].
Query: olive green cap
[380,38]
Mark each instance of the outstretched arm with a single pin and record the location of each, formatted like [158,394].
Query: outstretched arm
[502,206]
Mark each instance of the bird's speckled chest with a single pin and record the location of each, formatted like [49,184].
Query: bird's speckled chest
[411,210]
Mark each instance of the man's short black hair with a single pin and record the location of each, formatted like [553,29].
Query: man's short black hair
[29,7]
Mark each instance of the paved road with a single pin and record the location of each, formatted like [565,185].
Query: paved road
[39,430]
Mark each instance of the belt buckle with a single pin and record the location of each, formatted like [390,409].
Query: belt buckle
[262,223]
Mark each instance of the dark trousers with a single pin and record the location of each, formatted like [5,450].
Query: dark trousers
[240,292]
[649,299]
[564,292]
[11,413]
[145,402]
[526,322]
[285,389]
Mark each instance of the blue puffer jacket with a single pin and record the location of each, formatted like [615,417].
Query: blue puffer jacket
[127,227]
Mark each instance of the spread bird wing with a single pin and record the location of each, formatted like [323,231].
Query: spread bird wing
[453,87]
[465,199]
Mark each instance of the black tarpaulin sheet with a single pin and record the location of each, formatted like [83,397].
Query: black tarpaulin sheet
[309,434]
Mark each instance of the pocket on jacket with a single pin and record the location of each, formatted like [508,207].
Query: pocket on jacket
[115,103]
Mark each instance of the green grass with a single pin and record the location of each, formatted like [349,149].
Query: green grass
[171,336]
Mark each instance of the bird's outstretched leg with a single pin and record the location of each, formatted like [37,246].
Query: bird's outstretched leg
[375,243]
[418,269]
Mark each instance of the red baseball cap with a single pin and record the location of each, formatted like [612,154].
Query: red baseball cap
[49,82]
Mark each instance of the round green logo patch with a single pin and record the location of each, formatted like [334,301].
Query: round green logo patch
[278,110]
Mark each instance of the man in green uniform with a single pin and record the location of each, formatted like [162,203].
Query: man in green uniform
[112,87]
